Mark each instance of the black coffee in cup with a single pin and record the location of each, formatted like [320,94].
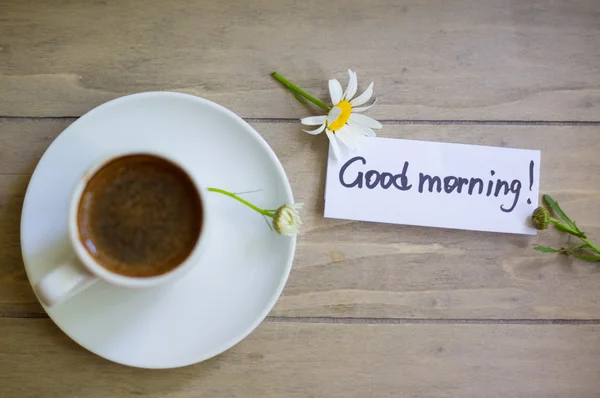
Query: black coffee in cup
[140,216]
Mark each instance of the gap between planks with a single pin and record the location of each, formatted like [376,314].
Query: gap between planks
[380,321]
[433,321]
[25,119]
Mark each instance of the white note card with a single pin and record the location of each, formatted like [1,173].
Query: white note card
[435,184]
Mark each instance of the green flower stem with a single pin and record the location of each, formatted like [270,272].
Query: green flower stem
[591,245]
[264,212]
[297,90]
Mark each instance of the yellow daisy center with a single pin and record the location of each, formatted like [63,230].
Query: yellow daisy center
[342,119]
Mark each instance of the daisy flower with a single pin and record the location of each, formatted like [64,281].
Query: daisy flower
[344,122]
[285,220]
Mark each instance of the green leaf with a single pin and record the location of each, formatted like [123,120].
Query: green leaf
[546,249]
[592,258]
[561,227]
[582,234]
[559,212]
[268,223]
[245,192]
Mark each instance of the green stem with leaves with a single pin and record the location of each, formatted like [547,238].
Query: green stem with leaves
[587,251]
[299,92]
[591,245]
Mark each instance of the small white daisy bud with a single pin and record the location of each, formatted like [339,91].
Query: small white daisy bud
[287,220]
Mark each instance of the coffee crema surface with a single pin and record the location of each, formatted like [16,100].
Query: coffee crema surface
[140,216]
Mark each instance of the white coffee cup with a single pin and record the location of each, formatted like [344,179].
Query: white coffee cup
[70,278]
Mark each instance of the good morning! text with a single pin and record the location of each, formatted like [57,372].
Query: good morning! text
[356,174]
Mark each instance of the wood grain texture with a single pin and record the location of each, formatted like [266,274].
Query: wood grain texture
[358,269]
[439,59]
[316,360]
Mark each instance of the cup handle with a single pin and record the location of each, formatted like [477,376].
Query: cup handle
[63,283]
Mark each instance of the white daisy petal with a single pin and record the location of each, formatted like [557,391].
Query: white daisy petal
[347,141]
[352,86]
[365,121]
[345,95]
[364,97]
[357,135]
[363,108]
[365,131]
[334,113]
[352,91]
[349,137]
[313,120]
[346,137]
[334,144]
[335,90]
[316,131]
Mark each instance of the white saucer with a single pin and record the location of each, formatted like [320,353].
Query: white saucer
[245,266]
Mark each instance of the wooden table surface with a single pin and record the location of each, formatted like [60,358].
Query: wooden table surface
[370,310]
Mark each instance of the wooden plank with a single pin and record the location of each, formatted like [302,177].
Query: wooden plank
[322,360]
[359,269]
[459,59]
[17,296]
